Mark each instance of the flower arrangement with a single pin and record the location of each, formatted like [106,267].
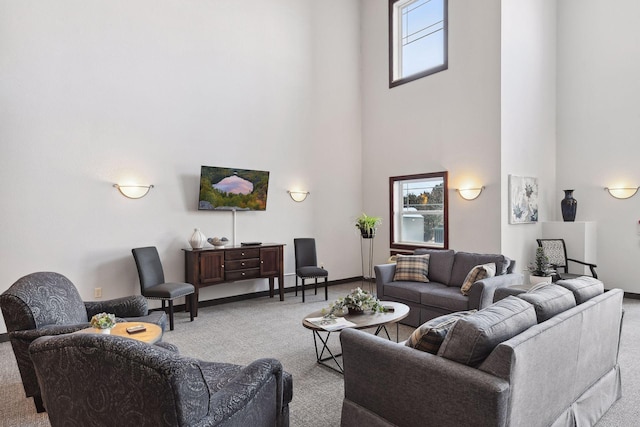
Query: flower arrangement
[357,300]
[541,266]
[103,321]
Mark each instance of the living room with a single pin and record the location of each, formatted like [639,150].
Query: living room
[97,93]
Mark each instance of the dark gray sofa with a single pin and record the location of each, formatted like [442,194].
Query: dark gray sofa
[558,372]
[441,295]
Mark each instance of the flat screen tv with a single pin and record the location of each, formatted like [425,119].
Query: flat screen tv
[233,189]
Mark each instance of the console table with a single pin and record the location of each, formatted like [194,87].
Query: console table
[211,266]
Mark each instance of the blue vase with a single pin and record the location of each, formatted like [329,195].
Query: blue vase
[569,206]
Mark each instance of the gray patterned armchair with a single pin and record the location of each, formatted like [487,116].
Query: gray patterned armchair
[92,379]
[47,303]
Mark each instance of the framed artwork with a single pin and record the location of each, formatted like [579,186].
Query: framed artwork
[523,200]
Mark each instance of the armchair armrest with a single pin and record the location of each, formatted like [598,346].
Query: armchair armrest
[397,383]
[384,274]
[243,392]
[131,306]
[30,335]
[592,267]
[481,292]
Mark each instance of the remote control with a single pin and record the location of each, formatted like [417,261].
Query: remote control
[250,243]
[136,329]
[388,308]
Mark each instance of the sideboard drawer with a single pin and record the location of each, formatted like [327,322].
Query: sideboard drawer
[241,264]
[242,254]
[251,273]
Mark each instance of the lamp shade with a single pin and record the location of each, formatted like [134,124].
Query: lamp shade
[133,191]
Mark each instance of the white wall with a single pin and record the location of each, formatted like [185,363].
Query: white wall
[446,121]
[96,92]
[528,110]
[599,126]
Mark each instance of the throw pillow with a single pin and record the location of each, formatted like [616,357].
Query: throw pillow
[414,268]
[429,336]
[474,337]
[478,272]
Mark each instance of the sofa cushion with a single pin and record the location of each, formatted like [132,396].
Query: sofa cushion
[440,264]
[443,297]
[473,337]
[478,272]
[414,268]
[549,300]
[429,336]
[404,291]
[584,288]
[465,261]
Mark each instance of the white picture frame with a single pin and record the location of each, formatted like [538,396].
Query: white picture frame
[523,200]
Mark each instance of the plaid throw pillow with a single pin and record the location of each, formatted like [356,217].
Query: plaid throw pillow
[429,336]
[478,272]
[414,268]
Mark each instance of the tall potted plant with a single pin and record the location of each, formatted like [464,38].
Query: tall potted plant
[540,271]
[368,225]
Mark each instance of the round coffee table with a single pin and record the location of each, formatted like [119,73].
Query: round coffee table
[152,335]
[359,321]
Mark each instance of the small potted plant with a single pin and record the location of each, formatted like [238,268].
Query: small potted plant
[357,302]
[541,271]
[368,225]
[103,322]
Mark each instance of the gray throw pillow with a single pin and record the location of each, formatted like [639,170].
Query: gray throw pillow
[430,335]
[549,300]
[475,336]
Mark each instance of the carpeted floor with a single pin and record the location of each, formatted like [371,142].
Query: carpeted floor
[241,332]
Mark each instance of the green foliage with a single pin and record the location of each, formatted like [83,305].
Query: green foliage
[367,223]
[541,266]
[357,299]
[103,321]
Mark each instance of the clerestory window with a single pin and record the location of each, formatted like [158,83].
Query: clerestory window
[417,39]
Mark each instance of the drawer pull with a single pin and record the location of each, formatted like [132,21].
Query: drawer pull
[243,273]
[243,263]
[242,253]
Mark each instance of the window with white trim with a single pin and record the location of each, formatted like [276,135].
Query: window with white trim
[417,39]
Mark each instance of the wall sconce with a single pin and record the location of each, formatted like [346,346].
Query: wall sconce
[622,192]
[133,191]
[470,193]
[298,196]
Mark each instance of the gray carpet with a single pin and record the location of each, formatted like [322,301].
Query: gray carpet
[243,331]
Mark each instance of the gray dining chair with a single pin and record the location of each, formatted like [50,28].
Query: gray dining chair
[153,285]
[307,265]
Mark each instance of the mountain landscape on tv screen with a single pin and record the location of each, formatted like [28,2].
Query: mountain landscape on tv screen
[233,189]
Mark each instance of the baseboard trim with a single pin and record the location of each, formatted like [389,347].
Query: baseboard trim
[242,297]
[208,303]
[631,295]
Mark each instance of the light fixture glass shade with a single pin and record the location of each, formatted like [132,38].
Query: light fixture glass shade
[470,193]
[133,191]
[622,192]
[298,196]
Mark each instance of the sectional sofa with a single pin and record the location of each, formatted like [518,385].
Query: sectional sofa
[447,271]
[542,358]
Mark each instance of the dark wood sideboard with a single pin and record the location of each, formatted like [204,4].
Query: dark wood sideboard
[211,266]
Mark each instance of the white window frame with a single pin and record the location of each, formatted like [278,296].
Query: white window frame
[395,44]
